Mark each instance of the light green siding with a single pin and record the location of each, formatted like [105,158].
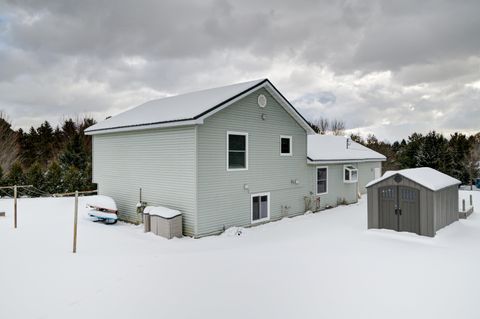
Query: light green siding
[337,191]
[366,174]
[160,161]
[222,199]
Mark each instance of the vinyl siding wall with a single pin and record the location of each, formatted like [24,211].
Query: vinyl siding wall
[222,199]
[337,191]
[161,162]
[366,174]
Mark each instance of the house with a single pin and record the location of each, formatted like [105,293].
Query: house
[418,200]
[231,156]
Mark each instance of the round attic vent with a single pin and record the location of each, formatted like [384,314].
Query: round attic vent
[262,100]
[398,178]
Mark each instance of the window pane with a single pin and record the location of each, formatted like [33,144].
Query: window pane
[236,160]
[255,208]
[321,174]
[321,187]
[237,142]
[354,175]
[264,207]
[285,146]
[347,174]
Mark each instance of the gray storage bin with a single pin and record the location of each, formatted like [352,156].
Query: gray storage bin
[166,227]
[146,222]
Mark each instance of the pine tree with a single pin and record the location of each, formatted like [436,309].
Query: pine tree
[1,176]
[45,143]
[53,179]
[15,176]
[73,180]
[74,155]
[35,176]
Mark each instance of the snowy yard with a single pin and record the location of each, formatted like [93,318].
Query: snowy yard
[324,265]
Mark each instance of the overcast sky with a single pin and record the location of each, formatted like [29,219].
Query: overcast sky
[384,67]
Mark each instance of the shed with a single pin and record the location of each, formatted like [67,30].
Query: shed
[418,200]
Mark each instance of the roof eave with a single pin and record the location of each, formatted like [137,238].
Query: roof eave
[344,160]
[149,126]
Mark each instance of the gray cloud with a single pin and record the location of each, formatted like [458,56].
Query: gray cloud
[385,67]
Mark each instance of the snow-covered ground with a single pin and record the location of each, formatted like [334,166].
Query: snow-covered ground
[324,265]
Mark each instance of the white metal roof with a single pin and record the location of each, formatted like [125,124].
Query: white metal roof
[425,176]
[333,149]
[189,108]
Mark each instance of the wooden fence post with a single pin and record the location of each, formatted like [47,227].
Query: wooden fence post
[75,219]
[15,206]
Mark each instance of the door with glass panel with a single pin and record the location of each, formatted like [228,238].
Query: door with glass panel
[260,207]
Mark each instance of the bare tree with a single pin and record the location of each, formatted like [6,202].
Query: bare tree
[321,125]
[8,143]
[337,127]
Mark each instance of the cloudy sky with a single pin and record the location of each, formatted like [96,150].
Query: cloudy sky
[384,67]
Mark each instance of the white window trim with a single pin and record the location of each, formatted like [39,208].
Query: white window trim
[346,167]
[251,208]
[291,145]
[246,151]
[316,180]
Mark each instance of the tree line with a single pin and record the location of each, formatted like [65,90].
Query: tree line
[457,155]
[53,160]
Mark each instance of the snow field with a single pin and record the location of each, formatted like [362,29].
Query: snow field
[323,265]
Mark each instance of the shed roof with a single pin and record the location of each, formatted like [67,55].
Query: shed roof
[330,148]
[425,176]
[190,108]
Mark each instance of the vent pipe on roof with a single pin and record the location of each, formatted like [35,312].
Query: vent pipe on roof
[348,142]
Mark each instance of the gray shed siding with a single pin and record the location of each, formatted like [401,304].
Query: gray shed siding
[222,199]
[446,206]
[437,208]
[160,161]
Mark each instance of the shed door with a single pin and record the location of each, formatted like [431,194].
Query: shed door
[399,208]
[409,205]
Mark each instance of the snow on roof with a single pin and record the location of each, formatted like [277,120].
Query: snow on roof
[161,211]
[330,148]
[425,176]
[175,108]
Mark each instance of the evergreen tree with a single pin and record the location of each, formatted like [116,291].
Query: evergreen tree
[433,153]
[53,179]
[15,176]
[73,179]
[45,143]
[35,176]
[1,176]
[74,155]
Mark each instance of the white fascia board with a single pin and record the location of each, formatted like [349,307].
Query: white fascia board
[345,161]
[286,105]
[145,127]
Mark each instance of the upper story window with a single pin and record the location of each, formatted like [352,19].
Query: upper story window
[322,180]
[285,145]
[350,174]
[237,149]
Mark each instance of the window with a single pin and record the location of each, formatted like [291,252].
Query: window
[237,146]
[322,179]
[260,207]
[286,145]
[350,174]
